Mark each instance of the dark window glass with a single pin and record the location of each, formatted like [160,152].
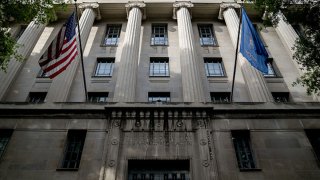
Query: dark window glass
[159,67]
[298,29]
[214,67]
[5,135]
[42,74]
[98,97]
[73,149]
[159,34]
[104,67]
[37,97]
[244,153]
[280,97]
[271,69]
[314,138]
[206,35]
[159,97]
[112,35]
[220,97]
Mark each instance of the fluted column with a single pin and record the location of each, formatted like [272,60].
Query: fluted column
[27,42]
[127,74]
[254,79]
[191,80]
[288,36]
[61,85]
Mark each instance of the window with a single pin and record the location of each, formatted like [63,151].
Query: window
[5,135]
[37,97]
[280,97]
[220,97]
[73,149]
[159,36]
[314,138]
[98,97]
[159,67]
[206,35]
[21,31]
[271,69]
[298,29]
[42,74]
[159,97]
[214,67]
[242,146]
[112,35]
[158,170]
[104,67]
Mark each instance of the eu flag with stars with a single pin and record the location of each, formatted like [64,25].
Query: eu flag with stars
[251,46]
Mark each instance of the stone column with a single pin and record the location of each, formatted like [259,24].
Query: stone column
[191,80]
[255,81]
[288,37]
[61,85]
[27,42]
[127,74]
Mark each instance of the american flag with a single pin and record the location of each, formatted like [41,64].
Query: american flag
[62,51]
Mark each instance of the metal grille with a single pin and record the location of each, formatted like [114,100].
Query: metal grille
[214,67]
[158,175]
[159,67]
[112,35]
[159,97]
[242,145]
[37,97]
[73,150]
[206,35]
[280,97]
[159,34]
[220,97]
[98,97]
[104,67]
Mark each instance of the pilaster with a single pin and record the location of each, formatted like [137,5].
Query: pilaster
[26,43]
[255,81]
[127,74]
[191,80]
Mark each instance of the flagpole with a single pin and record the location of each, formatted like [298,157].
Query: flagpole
[236,55]
[81,53]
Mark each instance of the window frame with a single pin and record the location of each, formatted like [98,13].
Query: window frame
[44,94]
[42,74]
[5,133]
[159,59]
[82,137]
[109,60]
[90,99]
[166,38]
[244,135]
[214,60]
[103,42]
[276,72]
[213,37]
[159,95]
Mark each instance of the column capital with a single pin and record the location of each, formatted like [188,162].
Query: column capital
[181,4]
[91,5]
[224,6]
[138,4]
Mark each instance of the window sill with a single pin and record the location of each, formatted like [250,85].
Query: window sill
[102,45]
[101,79]
[153,45]
[43,80]
[248,170]
[159,79]
[217,79]
[274,79]
[67,169]
[209,46]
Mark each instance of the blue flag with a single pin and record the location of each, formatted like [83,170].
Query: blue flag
[251,46]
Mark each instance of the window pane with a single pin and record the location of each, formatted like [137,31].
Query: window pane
[159,35]
[104,67]
[206,35]
[214,67]
[220,97]
[112,35]
[37,97]
[98,97]
[271,71]
[159,67]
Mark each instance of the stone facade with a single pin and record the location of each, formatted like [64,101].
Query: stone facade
[189,129]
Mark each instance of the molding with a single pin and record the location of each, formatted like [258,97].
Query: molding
[94,6]
[181,4]
[136,4]
[225,6]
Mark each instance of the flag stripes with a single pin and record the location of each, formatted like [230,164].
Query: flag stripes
[62,50]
